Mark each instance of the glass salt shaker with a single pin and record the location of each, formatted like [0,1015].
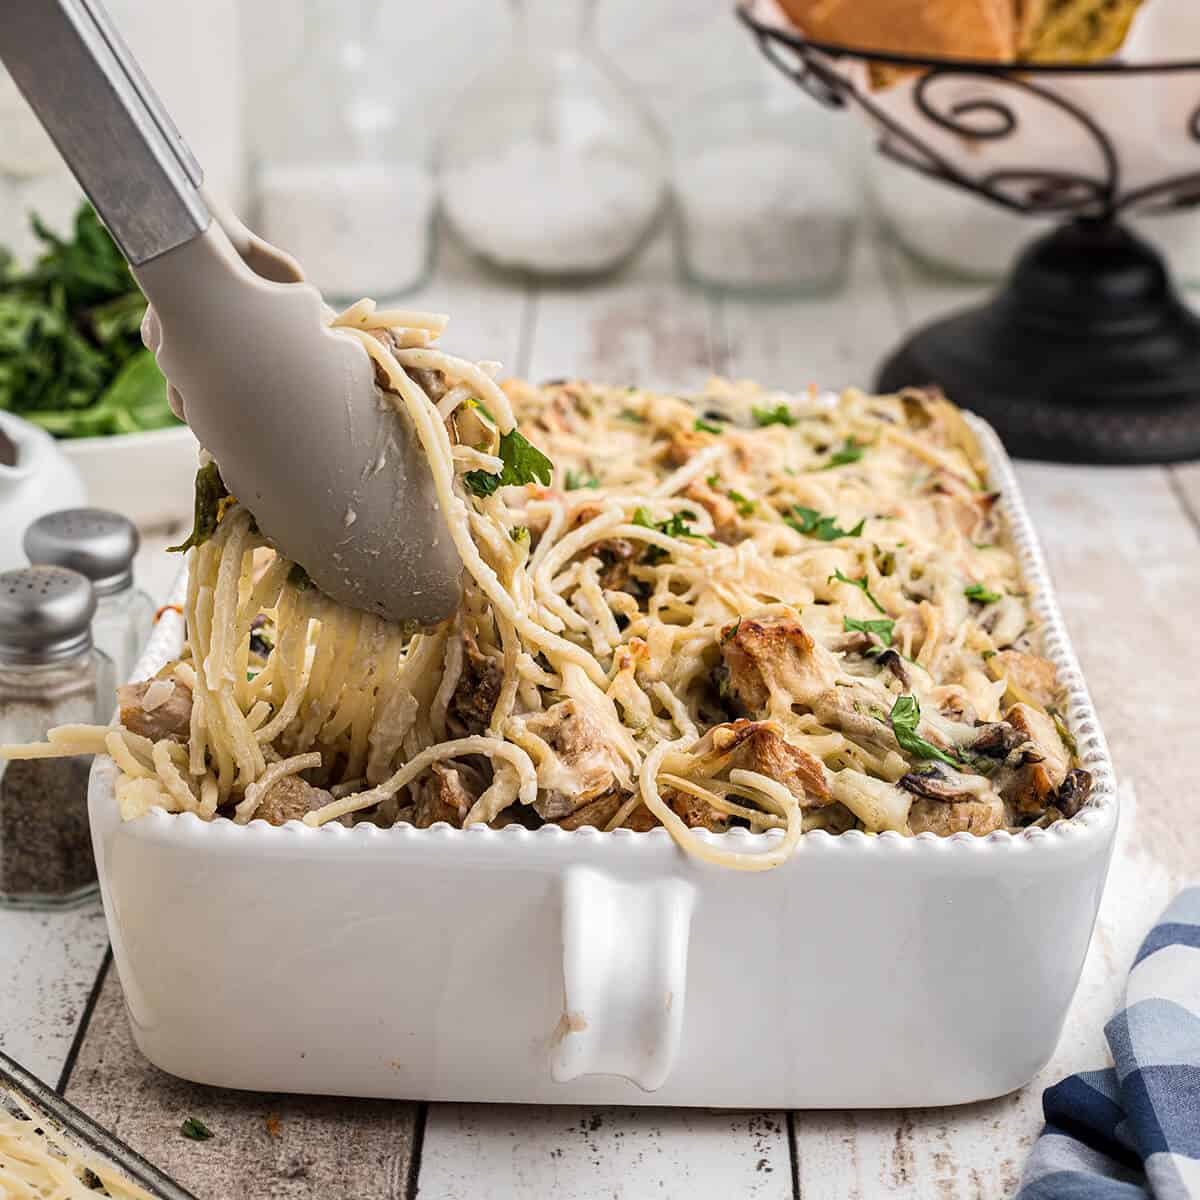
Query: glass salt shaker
[341,181]
[100,545]
[766,196]
[551,165]
[50,674]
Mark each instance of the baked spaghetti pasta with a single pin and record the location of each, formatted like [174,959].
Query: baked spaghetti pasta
[742,608]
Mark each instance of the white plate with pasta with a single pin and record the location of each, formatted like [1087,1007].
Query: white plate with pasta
[754,704]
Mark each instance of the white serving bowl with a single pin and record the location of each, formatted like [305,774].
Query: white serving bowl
[40,481]
[149,477]
[592,968]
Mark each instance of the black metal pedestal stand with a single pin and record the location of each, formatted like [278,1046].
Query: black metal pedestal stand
[1087,353]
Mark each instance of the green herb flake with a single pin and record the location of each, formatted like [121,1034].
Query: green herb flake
[195,1129]
[675,525]
[779,415]
[577,479]
[731,632]
[861,584]
[745,505]
[519,533]
[627,414]
[850,452]
[811,523]
[981,594]
[905,717]
[523,463]
[882,628]
[703,426]
[206,513]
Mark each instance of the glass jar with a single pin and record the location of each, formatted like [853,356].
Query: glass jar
[50,674]
[551,165]
[341,183]
[766,196]
[102,546]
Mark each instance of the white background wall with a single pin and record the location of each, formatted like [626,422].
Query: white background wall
[674,49]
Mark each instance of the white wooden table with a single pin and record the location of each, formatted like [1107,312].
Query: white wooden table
[1124,547]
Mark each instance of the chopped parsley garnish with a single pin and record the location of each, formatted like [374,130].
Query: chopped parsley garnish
[523,463]
[519,533]
[810,522]
[905,717]
[850,452]
[731,632]
[195,1129]
[779,415]
[861,584]
[745,505]
[627,414]
[882,628]
[210,491]
[703,426]
[577,480]
[981,594]
[675,525]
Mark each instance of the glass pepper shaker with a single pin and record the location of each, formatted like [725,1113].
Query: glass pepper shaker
[100,545]
[50,674]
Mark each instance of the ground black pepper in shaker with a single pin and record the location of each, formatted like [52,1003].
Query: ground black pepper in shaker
[100,545]
[50,674]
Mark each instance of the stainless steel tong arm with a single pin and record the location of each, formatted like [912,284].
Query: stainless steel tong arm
[72,67]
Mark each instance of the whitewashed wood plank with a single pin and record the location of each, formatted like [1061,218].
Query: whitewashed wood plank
[263,1146]
[641,328]
[508,1152]
[50,964]
[832,341]
[1187,484]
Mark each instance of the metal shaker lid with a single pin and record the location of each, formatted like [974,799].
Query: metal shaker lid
[45,615]
[92,541]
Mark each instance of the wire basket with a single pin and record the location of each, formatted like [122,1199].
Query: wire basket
[1086,353]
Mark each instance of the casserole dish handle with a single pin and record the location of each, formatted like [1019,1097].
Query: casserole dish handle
[625,947]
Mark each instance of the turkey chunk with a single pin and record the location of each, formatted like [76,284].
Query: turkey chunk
[1034,786]
[773,663]
[758,746]
[962,816]
[586,765]
[169,714]
[291,799]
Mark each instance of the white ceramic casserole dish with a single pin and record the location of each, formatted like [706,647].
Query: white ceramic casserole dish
[591,968]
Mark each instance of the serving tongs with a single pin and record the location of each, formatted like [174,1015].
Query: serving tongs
[288,407]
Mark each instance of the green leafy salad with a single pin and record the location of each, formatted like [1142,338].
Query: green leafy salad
[71,353]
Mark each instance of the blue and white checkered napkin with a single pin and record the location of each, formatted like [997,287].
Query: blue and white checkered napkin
[1134,1131]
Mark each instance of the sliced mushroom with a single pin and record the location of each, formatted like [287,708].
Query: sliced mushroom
[1074,791]
[890,660]
[998,740]
[940,782]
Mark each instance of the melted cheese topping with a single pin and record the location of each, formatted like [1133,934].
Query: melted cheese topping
[804,611]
